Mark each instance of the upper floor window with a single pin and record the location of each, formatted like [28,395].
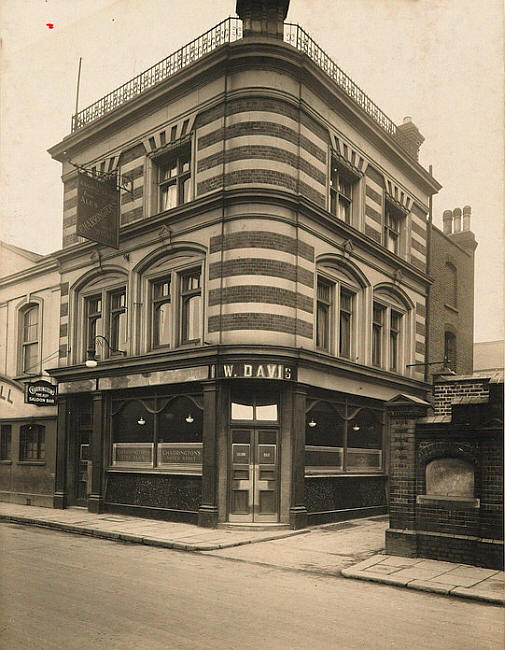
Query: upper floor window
[451,285]
[176,308]
[337,303]
[393,223]
[174,178]
[388,334]
[29,338]
[32,442]
[341,191]
[104,317]
[450,350]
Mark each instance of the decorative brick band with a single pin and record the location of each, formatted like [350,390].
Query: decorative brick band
[131,154]
[68,240]
[419,230]
[260,294]
[262,239]
[420,347]
[64,309]
[419,264]
[131,215]
[70,185]
[261,104]
[266,176]
[138,193]
[261,128]
[374,175]
[254,321]
[261,266]
[420,328]
[136,172]
[418,212]
[375,196]
[373,214]
[71,220]
[374,234]
[70,203]
[418,247]
[265,153]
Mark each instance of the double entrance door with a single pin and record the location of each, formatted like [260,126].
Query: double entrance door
[254,475]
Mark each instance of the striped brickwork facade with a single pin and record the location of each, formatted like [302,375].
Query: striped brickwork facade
[64,318]
[260,280]
[261,142]
[374,204]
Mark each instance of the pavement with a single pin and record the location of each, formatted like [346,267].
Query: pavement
[352,549]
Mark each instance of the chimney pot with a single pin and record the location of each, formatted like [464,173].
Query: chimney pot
[409,137]
[457,219]
[467,214]
[447,220]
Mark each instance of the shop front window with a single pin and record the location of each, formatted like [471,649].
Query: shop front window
[342,438]
[163,433]
[32,442]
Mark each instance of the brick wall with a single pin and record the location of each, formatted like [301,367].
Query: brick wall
[458,319]
[446,392]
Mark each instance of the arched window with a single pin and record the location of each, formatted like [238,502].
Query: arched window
[101,317]
[29,328]
[390,338]
[32,442]
[172,295]
[450,351]
[451,285]
[338,309]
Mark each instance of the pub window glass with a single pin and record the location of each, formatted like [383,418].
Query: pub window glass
[173,425]
[125,426]
[324,439]
[364,442]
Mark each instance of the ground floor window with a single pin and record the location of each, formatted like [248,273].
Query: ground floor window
[5,441]
[32,442]
[160,432]
[341,437]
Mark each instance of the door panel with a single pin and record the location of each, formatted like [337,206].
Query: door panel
[254,484]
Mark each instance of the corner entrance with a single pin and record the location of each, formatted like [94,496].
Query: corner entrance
[254,479]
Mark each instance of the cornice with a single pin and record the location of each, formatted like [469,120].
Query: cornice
[40,268]
[215,354]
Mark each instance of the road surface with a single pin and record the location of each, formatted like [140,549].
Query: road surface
[62,591]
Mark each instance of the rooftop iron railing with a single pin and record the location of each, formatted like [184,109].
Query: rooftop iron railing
[228,31]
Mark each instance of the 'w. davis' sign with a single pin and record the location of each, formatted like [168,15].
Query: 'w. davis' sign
[97,210]
[256,370]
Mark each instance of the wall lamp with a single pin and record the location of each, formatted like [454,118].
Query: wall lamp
[91,362]
[312,423]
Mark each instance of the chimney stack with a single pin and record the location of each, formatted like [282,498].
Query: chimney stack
[409,137]
[462,236]
[447,220]
[262,17]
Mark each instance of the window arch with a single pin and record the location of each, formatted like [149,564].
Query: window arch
[101,312]
[451,284]
[339,307]
[29,321]
[171,292]
[391,328]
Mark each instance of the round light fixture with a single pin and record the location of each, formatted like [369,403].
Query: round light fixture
[189,419]
[141,420]
[355,427]
[91,363]
[312,424]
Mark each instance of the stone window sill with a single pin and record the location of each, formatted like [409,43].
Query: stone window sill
[449,502]
[451,308]
[31,462]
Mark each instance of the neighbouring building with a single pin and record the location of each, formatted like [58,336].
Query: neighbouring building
[451,295]
[29,327]
[447,473]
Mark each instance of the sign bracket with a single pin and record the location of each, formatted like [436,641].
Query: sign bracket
[124,183]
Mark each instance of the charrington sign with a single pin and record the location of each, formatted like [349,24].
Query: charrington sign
[41,393]
[255,370]
[97,210]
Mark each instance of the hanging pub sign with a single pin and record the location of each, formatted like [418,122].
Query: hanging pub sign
[255,370]
[97,210]
[41,393]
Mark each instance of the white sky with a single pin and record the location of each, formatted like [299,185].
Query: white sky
[439,61]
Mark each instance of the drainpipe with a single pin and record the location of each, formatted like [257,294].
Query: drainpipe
[428,272]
